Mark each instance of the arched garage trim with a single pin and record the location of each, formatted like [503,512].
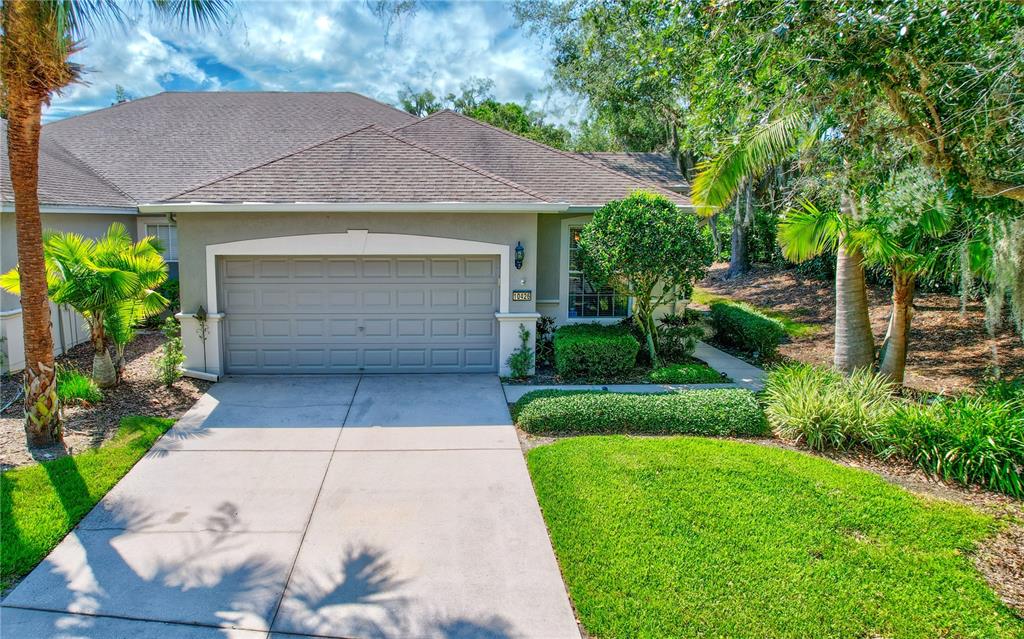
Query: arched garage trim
[356,243]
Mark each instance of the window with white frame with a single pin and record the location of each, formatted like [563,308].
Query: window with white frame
[586,300]
[167,234]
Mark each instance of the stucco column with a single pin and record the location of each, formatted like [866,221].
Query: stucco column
[202,357]
[508,336]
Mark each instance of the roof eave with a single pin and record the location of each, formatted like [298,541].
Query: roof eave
[354,207]
[80,209]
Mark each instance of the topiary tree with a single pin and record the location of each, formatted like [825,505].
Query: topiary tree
[643,246]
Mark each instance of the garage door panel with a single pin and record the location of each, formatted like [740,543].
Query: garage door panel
[375,314]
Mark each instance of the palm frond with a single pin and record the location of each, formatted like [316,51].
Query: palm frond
[752,153]
[194,14]
[807,232]
[11,281]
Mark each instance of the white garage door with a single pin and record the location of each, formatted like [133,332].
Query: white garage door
[360,314]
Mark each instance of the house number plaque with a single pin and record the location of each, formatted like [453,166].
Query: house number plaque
[522,296]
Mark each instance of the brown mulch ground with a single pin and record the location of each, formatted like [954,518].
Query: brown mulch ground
[140,393]
[1000,558]
[949,352]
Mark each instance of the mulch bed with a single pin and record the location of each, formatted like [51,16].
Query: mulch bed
[949,352]
[140,393]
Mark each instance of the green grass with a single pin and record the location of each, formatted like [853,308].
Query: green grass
[692,537]
[40,504]
[692,373]
[793,327]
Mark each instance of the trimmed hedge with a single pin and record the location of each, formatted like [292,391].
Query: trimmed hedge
[719,411]
[744,328]
[692,373]
[594,351]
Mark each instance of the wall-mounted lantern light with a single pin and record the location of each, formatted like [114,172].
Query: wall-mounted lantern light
[520,254]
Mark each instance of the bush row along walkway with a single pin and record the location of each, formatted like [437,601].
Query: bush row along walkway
[744,375]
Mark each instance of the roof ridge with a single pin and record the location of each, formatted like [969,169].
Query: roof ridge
[264,163]
[107,108]
[466,165]
[384,104]
[596,165]
[89,169]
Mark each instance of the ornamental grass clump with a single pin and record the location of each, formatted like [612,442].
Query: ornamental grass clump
[970,440]
[824,409]
[75,387]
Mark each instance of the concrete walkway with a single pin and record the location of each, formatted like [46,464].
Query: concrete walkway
[742,374]
[374,506]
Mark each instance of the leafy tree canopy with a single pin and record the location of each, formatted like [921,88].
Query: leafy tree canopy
[476,100]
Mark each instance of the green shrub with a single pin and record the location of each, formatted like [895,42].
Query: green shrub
[678,335]
[744,328]
[1004,389]
[74,387]
[720,411]
[521,360]
[693,373]
[971,440]
[824,409]
[594,351]
[172,355]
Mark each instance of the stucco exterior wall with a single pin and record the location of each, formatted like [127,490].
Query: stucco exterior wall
[198,230]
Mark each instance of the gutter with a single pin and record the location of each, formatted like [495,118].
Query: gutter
[355,207]
[8,207]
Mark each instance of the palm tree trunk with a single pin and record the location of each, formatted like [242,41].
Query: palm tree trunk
[42,414]
[855,344]
[897,336]
[103,371]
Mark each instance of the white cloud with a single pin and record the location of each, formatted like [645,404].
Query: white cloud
[319,45]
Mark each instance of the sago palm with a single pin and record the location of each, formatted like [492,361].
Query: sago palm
[751,155]
[110,282]
[37,38]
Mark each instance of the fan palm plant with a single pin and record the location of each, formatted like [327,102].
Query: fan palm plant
[110,282]
[37,38]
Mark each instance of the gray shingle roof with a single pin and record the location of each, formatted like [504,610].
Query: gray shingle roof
[63,178]
[659,168]
[560,176]
[313,147]
[367,165]
[156,147]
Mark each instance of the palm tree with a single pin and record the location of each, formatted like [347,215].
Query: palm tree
[37,38]
[110,282]
[755,152]
[808,232]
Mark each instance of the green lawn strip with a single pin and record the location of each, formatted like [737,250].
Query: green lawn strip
[689,373]
[693,537]
[40,504]
[793,327]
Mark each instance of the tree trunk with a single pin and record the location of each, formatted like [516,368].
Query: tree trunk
[42,414]
[103,371]
[897,337]
[739,258]
[855,344]
[716,238]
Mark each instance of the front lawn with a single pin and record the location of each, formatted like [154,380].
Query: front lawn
[692,537]
[40,504]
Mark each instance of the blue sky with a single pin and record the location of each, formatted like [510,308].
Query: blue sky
[320,45]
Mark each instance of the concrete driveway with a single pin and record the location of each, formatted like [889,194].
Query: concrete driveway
[342,506]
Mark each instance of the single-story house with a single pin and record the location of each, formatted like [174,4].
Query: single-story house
[330,233]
